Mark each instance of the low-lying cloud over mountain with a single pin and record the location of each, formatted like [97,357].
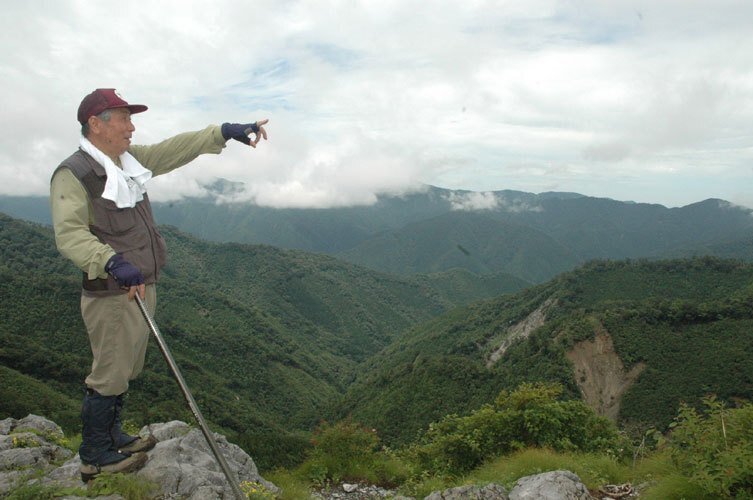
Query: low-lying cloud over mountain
[647,101]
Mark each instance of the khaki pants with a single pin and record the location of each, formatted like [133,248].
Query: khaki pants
[118,335]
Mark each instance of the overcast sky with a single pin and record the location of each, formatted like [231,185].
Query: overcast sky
[649,101]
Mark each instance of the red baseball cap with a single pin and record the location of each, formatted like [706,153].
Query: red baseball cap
[102,99]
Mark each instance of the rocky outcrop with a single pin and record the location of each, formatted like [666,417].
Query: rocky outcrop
[488,492]
[181,466]
[182,463]
[32,443]
[520,331]
[554,485]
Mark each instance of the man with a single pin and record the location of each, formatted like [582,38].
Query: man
[103,223]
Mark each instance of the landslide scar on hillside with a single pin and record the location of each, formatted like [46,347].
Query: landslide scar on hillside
[521,330]
[600,374]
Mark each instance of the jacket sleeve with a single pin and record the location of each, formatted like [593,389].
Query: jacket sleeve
[71,216]
[177,151]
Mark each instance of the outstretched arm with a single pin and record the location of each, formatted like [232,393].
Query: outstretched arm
[181,149]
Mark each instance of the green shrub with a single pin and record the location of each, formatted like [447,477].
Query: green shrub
[714,448]
[32,492]
[292,484]
[128,486]
[37,491]
[424,484]
[25,440]
[593,469]
[529,417]
[674,487]
[20,441]
[347,451]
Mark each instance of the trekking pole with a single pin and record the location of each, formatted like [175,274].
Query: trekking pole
[189,398]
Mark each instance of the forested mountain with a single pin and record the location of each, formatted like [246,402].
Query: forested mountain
[474,241]
[634,338]
[534,236]
[598,228]
[266,337]
[273,340]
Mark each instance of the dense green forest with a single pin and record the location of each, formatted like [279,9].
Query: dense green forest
[273,341]
[266,338]
[478,242]
[689,321]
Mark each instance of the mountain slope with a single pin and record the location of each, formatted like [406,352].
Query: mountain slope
[266,338]
[582,227]
[327,230]
[536,237]
[688,323]
[474,241]
[530,236]
[604,228]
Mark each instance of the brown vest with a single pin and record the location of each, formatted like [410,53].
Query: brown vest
[130,231]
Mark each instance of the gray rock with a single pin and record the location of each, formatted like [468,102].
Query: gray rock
[554,485]
[21,440]
[6,425]
[10,479]
[65,476]
[24,452]
[357,491]
[41,425]
[27,442]
[184,465]
[349,488]
[108,497]
[31,422]
[37,456]
[166,431]
[489,492]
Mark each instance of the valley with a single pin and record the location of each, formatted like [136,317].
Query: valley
[276,339]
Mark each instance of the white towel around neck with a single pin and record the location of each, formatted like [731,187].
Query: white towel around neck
[124,186]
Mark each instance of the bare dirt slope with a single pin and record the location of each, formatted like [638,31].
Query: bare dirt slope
[600,374]
[598,370]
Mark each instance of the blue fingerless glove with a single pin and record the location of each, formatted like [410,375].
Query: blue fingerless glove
[239,131]
[125,273]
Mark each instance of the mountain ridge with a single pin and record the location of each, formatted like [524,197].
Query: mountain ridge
[579,228]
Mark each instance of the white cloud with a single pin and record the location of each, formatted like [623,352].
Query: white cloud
[473,201]
[368,97]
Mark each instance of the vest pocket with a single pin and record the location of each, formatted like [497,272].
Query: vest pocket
[117,221]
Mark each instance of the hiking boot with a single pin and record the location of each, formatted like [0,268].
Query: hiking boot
[98,417]
[129,463]
[101,437]
[123,441]
[137,444]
